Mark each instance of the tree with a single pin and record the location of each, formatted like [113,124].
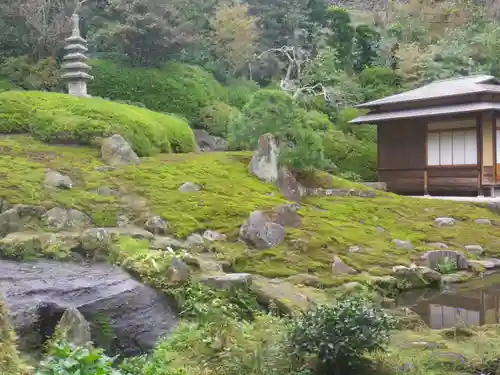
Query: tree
[365,47]
[234,35]
[342,34]
[34,27]
[146,31]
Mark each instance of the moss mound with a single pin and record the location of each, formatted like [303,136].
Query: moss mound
[176,88]
[68,119]
[330,225]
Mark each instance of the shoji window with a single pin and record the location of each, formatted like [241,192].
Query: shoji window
[458,147]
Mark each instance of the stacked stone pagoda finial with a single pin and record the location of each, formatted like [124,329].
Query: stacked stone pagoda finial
[75,70]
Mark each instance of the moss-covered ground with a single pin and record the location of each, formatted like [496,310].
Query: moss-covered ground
[331,225]
[456,351]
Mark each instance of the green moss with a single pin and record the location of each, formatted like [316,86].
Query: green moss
[437,353]
[65,118]
[229,193]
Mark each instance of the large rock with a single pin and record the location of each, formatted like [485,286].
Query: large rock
[156,225]
[74,327]
[207,142]
[10,221]
[289,186]
[116,151]
[38,293]
[228,281]
[340,268]
[416,277]
[59,218]
[264,163]
[54,179]
[266,229]
[432,258]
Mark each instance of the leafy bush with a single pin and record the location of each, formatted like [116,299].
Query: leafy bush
[338,336]
[176,88]
[272,111]
[241,92]
[217,117]
[65,359]
[318,121]
[346,154]
[6,86]
[378,82]
[269,111]
[24,73]
[60,117]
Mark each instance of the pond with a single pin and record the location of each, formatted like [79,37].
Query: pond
[473,303]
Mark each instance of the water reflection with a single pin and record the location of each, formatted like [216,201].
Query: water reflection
[475,303]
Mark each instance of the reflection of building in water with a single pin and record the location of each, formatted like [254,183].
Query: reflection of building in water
[469,308]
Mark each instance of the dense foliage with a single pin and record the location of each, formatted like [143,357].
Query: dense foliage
[64,118]
[338,336]
[176,88]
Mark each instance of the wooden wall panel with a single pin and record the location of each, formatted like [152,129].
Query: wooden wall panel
[403,181]
[447,180]
[402,156]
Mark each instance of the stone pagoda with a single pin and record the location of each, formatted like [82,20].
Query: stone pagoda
[75,70]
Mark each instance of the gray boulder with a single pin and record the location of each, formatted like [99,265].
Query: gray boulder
[10,221]
[445,221]
[55,179]
[404,244]
[261,232]
[340,268]
[189,187]
[474,249]
[59,218]
[116,151]
[156,225]
[178,272]
[416,277]
[264,163]
[207,142]
[228,281]
[483,221]
[289,186]
[163,243]
[211,235]
[96,240]
[432,258]
[38,293]
[74,327]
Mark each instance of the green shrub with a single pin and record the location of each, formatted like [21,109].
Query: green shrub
[217,117]
[269,111]
[65,359]
[318,121]
[338,336]
[65,118]
[6,86]
[24,73]
[241,92]
[345,153]
[176,88]
[274,111]
[378,82]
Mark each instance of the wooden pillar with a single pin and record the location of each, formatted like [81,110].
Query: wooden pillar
[426,191]
[479,136]
[494,135]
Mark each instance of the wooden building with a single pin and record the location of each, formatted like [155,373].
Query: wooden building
[440,139]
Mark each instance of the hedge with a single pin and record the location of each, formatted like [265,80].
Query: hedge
[65,118]
[176,88]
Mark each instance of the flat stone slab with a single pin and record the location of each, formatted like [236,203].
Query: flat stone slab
[489,263]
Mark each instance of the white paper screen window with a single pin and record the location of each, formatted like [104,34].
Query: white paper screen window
[452,148]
